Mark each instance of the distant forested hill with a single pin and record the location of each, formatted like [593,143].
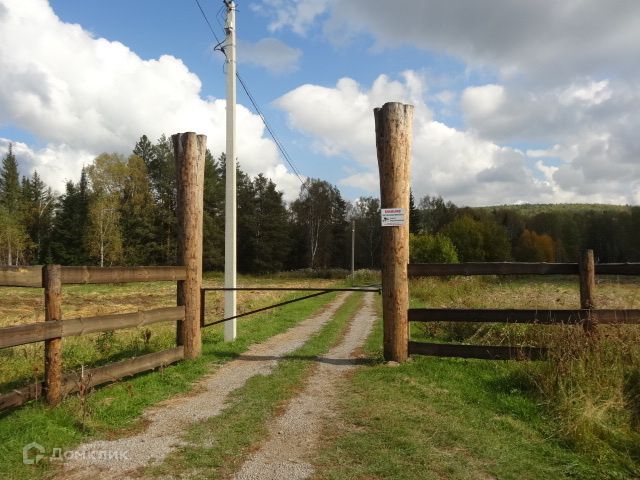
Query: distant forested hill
[531,209]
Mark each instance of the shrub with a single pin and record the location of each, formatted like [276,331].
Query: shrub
[427,248]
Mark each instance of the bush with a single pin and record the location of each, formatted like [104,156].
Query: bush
[427,248]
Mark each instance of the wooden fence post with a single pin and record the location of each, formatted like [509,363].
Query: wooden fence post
[52,282]
[189,152]
[587,290]
[393,142]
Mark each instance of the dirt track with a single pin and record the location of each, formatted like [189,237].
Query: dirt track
[167,421]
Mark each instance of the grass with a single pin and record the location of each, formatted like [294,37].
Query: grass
[435,418]
[220,445]
[117,407]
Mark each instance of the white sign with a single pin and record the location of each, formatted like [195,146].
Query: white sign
[392,217]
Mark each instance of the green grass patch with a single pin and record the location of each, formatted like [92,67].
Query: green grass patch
[435,418]
[111,409]
[221,444]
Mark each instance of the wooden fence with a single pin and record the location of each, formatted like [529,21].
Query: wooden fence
[588,315]
[53,329]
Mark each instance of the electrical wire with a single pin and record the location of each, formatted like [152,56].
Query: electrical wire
[279,145]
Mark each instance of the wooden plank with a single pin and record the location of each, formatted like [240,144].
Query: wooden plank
[543,317]
[483,352]
[97,376]
[495,315]
[74,275]
[21,276]
[618,269]
[37,332]
[20,396]
[125,368]
[29,333]
[491,268]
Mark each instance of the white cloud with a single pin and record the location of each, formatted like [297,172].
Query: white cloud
[563,83]
[458,165]
[544,39]
[82,95]
[297,15]
[270,53]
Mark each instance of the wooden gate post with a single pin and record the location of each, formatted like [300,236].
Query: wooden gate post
[393,142]
[52,283]
[189,152]
[587,290]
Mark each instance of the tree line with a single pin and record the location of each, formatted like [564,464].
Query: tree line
[508,233]
[121,211]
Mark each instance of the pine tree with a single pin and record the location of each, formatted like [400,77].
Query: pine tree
[68,244]
[272,232]
[138,213]
[15,245]
[10,182]
[162,172]
[38,203]
[213,221]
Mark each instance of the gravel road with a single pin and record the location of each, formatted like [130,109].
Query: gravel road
[294,435]
[166,422]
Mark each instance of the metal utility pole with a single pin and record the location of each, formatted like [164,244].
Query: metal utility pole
[353,248]
[230,237]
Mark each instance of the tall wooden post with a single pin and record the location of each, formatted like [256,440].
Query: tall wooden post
[393,142]
[52,282]
[189,152]
[587,290]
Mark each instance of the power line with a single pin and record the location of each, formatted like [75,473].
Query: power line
[279,144]
[266,124]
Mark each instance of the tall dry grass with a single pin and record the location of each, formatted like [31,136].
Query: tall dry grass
[589,384]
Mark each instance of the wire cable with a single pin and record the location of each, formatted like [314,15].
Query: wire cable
[278,143]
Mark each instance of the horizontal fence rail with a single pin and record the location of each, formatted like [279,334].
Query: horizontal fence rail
[538,316]
[482,352]
[76,275]
[516,268]
[97,376]
[38,332]
[21,276]
[587,316]
[32,276]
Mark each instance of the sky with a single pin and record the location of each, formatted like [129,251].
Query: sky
[515,102]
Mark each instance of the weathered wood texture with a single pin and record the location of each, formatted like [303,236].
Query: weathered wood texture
[21,277]
[393,143]
[484,352]
[542,317]
[98,376]
[52,281]
[189,153]
[513,268]
[71,275]
[587,290]
[37,332]
[494,268]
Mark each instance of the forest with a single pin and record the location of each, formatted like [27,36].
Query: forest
[121,211]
